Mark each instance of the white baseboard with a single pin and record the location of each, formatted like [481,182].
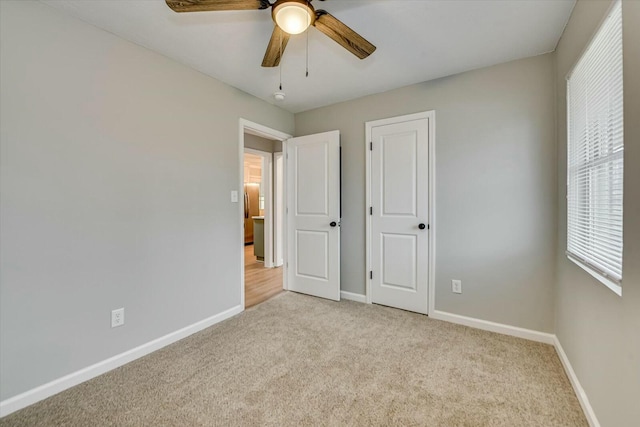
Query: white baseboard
[500,328]
[353,297]
[32,396]
[532,335]
[577,387]
[49,389]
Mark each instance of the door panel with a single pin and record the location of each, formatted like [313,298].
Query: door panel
[312,254]
[400,201]
[311,186]
[313,201]
[399,256]
[399,174]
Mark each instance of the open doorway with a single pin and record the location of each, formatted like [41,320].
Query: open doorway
[262,211]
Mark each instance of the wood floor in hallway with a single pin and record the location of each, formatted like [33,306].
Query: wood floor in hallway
[260,283]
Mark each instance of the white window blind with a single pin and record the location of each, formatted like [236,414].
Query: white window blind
[595,154]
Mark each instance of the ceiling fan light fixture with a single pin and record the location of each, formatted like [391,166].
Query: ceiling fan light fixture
[293,16]
[290,17]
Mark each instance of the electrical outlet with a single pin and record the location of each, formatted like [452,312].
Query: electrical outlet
[117,317]
[456,286]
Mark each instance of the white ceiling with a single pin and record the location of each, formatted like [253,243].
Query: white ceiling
[417,40]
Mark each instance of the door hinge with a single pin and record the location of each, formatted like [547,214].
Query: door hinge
[371,146]
[371,274]
[428,226]
[371,210]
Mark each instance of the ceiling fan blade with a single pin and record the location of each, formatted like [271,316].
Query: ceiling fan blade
[211,5]
[343,35]
[278,42]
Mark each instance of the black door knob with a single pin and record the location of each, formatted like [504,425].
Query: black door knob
[333,223]
[422,226]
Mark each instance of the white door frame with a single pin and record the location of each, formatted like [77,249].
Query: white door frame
[431,116]
[278,209]
[266,184]
[264,132]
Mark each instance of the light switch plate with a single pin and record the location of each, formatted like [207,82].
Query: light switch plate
[234,197]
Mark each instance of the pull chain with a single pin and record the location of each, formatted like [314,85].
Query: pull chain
[308,25]
[280,63]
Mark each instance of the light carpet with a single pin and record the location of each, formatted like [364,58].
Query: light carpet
[301,361]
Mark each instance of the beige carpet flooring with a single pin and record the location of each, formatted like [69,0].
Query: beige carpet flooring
[301,361]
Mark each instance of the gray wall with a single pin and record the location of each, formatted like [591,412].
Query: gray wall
[262,144]
[496,198]
[600,331]
[117,165]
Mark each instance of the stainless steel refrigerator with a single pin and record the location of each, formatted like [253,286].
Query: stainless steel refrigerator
[251,209]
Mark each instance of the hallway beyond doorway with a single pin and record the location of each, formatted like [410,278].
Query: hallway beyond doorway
[260,283]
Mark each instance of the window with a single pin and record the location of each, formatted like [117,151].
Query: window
[595,155]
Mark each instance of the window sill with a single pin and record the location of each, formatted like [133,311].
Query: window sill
[615,287]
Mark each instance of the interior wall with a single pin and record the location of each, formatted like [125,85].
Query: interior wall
[262,144]
[600,331]
[495,186]
[116,170]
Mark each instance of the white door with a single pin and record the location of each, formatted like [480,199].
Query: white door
[313,215]
[400,214]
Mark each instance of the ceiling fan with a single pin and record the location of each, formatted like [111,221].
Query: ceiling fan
[290,17]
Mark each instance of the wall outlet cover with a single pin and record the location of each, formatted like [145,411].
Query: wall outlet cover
[456,286]
[117,317]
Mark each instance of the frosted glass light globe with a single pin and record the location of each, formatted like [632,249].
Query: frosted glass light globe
[293,18]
